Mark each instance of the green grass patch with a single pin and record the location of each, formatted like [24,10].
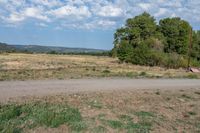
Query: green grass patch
[157,93]
[130,74]
[126,122]
[144,114]
[141,127]
[197,92]
[99,129]
[106,71]
[197,125]
[186,96]
[192,113]
[125,117]
[15,118]
[142,74]
[192,76]
[115,124]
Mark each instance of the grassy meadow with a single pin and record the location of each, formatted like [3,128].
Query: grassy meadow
[44,66]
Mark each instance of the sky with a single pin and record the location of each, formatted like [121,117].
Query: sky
[82,23]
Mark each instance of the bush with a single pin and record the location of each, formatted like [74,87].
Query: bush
[139,55]
[155,59]
[124,52]
[195,63]
[150,57]
[175,61]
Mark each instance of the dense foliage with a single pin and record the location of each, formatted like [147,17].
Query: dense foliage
[196,45]
[141,41]
[176,32]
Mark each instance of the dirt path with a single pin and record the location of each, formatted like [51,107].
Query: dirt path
[13,89]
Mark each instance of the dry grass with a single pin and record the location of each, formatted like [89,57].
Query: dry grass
[43,66]
[129,111]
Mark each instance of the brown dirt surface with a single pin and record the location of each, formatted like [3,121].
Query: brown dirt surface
[166,110]
[13,89]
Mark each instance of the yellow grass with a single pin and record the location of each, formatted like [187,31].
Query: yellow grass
[43,66]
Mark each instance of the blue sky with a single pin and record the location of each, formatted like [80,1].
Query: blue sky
[82,23]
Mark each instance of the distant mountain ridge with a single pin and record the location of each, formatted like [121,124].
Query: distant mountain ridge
[6,48]
[46,49]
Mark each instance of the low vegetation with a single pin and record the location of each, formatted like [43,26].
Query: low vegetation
[133,111]
[44,66]
[14,118]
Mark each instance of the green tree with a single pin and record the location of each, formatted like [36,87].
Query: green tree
[143,42]
[196,45]
[142,26]
[133,42]
[176,32]
[125,51]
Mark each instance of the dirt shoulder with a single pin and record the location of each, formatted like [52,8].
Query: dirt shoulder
[15,89]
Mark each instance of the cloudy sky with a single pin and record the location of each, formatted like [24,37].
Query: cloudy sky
[82,23]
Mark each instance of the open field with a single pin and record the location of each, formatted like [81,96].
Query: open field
[138,111]
[43,66]
[114,103]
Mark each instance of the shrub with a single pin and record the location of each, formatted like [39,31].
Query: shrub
[106,71]
[195,63]
[175,61]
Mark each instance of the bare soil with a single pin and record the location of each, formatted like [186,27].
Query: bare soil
[171,110]
[15,89]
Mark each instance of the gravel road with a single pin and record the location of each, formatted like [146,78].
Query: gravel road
[14,89]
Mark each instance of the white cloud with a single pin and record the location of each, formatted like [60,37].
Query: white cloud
[145,6]
[42,24]
[110,11]
[173,15]
[92,14]
[95,24]
[161,12]
[106,23]
[14,18]
[3,1]
[66,11]
[33,12]
[48,3]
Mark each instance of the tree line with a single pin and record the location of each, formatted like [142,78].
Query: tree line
[144,42]
[5,48]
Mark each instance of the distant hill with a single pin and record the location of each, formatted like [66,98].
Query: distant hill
[6,48]
[46,49]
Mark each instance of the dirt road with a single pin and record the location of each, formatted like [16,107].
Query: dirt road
[13,89]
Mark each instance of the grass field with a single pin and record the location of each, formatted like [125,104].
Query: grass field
[43,66]
[139,111]
[136,111]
